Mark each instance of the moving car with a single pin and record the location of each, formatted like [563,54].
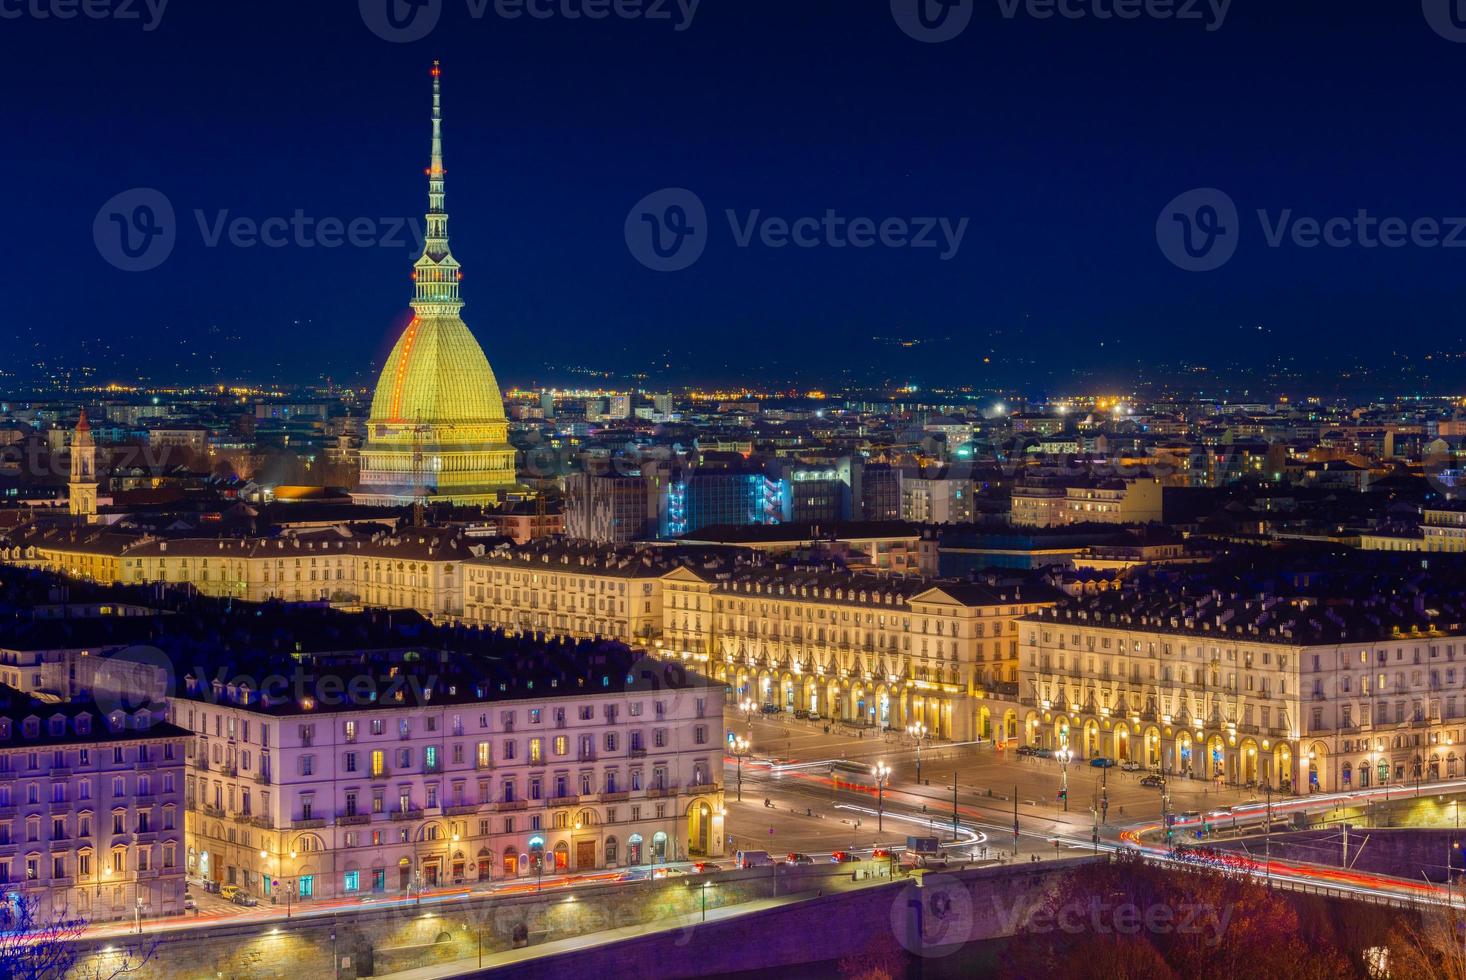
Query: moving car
[794,857]
[1152,780]
[1025,750]
[752,859]
[843,857]
[880,854]
[1130,765]
[249,901]
[1100,762]
[705,867]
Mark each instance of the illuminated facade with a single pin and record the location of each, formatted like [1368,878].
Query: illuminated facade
[295,798]
[437,429]
[82,492]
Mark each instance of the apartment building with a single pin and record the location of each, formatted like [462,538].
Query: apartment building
[395,771]
[871,650]
[568,588]
[91,808]
[411,568]
[1110,501]
[1317,691]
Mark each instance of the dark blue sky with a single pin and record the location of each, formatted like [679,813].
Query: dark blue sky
[1059,140]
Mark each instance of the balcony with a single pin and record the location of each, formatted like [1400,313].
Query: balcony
[307,823]
[614,797]
[263,822]
[229,769]
[509,805]
[637,752]
[406,814]
[382,773]
[461,810]
[353,819]
[263,778]
[212,811]
[699,789]
[563,801]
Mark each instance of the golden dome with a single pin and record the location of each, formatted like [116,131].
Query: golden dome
[437,373]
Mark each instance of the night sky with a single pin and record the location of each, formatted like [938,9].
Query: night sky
[1060,140]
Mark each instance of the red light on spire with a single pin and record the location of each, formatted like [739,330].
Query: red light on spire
[436,70]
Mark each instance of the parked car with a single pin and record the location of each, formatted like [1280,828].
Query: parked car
[227,892]
[189,903]
[801,713]
[1130,765]
[249,901]
[1100,762]
[815,716]
[1025,750]
[843,857]
[794,857]
[1152,781]
[705,867]
[770,709]
[1043,753]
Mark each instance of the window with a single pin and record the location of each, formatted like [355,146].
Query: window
[351,881]
[379,762]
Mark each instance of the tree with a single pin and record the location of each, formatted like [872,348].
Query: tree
[35,946]
[32,946]
[881,959]
[1430,948]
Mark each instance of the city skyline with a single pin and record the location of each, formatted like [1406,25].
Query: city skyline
[1041,289]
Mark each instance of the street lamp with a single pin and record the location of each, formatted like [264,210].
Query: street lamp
[1064,755]
[746,706]
[740,749]
[918,732]
[882,773]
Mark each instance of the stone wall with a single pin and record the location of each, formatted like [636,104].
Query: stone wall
[406,936]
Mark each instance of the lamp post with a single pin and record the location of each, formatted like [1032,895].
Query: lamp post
[1065,754]
[740,749]
[882,773]
[746,706]
[918,732]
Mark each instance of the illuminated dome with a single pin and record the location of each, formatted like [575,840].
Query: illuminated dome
[437,429]
[437,373]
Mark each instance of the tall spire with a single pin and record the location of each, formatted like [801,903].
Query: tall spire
[437,272]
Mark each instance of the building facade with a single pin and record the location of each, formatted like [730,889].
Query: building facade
[545,770]
[91,809]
